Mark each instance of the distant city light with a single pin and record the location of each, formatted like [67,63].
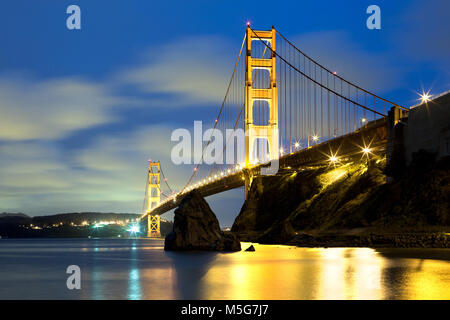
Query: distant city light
[134,229]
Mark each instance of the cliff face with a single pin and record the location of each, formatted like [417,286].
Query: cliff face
[347,199]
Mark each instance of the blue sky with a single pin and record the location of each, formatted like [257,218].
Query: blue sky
[82,111]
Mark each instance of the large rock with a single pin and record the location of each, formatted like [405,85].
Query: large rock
[197,228]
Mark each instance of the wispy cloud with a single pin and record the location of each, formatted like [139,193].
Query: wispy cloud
[51,109]
[38,174]
[195,69]
[107,174]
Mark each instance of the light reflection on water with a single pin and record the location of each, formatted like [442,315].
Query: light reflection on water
[141,269]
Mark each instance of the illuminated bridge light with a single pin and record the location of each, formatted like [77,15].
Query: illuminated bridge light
[229,170]
[315,137]
[363,120]
[296,145]
[425,97]
[366,150]
[281,151]
[333,159]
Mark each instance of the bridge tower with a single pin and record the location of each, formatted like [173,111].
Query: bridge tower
[154,198]
[267,132]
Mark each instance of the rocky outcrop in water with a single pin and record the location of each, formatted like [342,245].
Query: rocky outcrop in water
[250,249]
[197,228]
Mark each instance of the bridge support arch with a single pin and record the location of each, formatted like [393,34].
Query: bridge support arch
[269,131]
[154,198]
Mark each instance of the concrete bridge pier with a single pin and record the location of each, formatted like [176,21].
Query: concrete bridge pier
[395,151]
[425,128]
[248,179]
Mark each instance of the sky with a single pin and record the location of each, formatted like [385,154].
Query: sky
[81,111]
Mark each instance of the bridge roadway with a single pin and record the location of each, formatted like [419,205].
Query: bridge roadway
[345,148]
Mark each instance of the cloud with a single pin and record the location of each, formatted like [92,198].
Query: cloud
[126,155]
[194,69]
[190,71]
[107,174]
[30,174]
[39,174]
[335,50]
[51,109]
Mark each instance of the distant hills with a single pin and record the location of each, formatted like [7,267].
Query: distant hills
[76,224]
[8,215]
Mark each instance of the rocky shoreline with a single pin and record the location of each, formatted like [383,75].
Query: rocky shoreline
[351,206]
[389,240]
[399,240]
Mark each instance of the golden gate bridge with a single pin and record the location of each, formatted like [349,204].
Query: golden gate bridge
[292,110]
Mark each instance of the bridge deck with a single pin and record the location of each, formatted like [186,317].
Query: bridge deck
[344,147]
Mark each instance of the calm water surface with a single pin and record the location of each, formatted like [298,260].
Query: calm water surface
[140,269]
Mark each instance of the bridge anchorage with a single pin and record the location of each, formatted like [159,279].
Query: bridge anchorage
[293,110]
